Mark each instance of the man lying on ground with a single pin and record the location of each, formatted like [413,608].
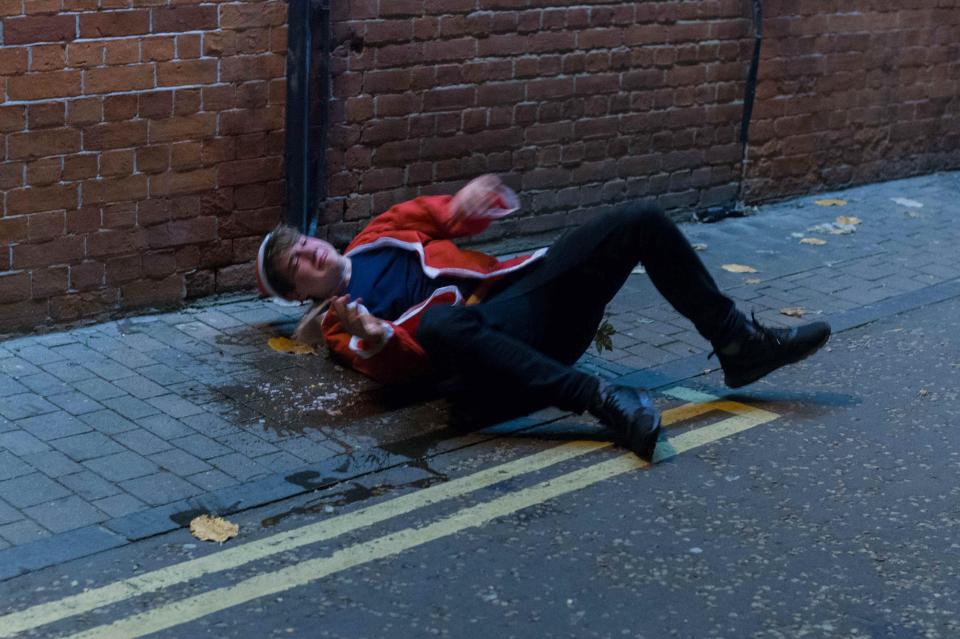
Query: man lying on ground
[406,303]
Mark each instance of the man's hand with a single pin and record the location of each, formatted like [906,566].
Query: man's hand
[476,197]
[358,323]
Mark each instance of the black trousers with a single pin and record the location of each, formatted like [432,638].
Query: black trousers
[519,345]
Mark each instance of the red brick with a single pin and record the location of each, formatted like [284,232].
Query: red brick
[117,52]
[252,95]
[126,78]
[115,242]
[79,167]
[49,281]
[245,121]
[178,129]
[12,118]
[163,293]
[11,175]
[115,135]
[120,107]
[14,287]
[251,67]
[13,61]
[47,58]
[249,171]
[246,16]
[179,232]
[45,115]
[86,276]
[62,250]
[156,104]
[220,43]
[158,264]
[218,98]
[186,155]
[85,54]
[171,183]
[153,159]
[84,220]
[114,23]
[186,72]
[44,172]
[114,190]
[32,7]
[30,29]
[42,198]
[119,216]
[13,229]
[84,111]
[188,46]
[185,18]
[38,144]
[156,49]
[37,86]
[218,150]
[252,41]
[116,163]
[122,269]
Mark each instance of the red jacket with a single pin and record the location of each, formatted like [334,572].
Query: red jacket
[423,225]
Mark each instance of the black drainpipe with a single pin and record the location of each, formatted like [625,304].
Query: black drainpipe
[715,214]
[307,111]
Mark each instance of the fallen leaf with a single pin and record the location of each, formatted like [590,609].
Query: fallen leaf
[831,202]
[911,204]
[815,241]
[753,280]
[603,340]
[793,311]
[923,392]
[287,345]
[207,528]
[848,220]
[699,246]
[639,270]
[738,268]
[796,235]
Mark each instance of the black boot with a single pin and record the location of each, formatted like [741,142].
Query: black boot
[764,349]
[630,413]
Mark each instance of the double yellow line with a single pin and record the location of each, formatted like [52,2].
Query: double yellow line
[195,607]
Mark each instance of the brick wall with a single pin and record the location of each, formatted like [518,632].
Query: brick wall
[579,105]
[582,105]
[141,151]
[848,97]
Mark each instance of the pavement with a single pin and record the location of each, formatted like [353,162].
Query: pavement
[123,431]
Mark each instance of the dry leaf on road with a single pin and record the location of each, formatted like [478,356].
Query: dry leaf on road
[738,268]
[815,241]
[286,345]
[207,528]
[793,311]
[848,220]
[699,246]
[753,280]
[831,202]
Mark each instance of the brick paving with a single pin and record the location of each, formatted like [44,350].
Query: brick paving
[109,429]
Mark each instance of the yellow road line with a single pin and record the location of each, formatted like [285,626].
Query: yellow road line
[42,614]
[198,606]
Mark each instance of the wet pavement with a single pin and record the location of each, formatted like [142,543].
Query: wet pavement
[123,431]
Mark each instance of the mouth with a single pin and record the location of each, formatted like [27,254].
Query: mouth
[320,259]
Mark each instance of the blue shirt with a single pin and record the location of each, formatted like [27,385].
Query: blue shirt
[391,280]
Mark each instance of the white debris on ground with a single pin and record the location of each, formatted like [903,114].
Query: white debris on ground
[322,397]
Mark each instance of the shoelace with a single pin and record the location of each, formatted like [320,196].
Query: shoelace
[764,333]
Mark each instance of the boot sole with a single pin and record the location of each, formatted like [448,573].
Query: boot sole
[743,380]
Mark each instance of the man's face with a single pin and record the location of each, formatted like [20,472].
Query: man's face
[314,267]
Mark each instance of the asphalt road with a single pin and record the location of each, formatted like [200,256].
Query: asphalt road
[820,502]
